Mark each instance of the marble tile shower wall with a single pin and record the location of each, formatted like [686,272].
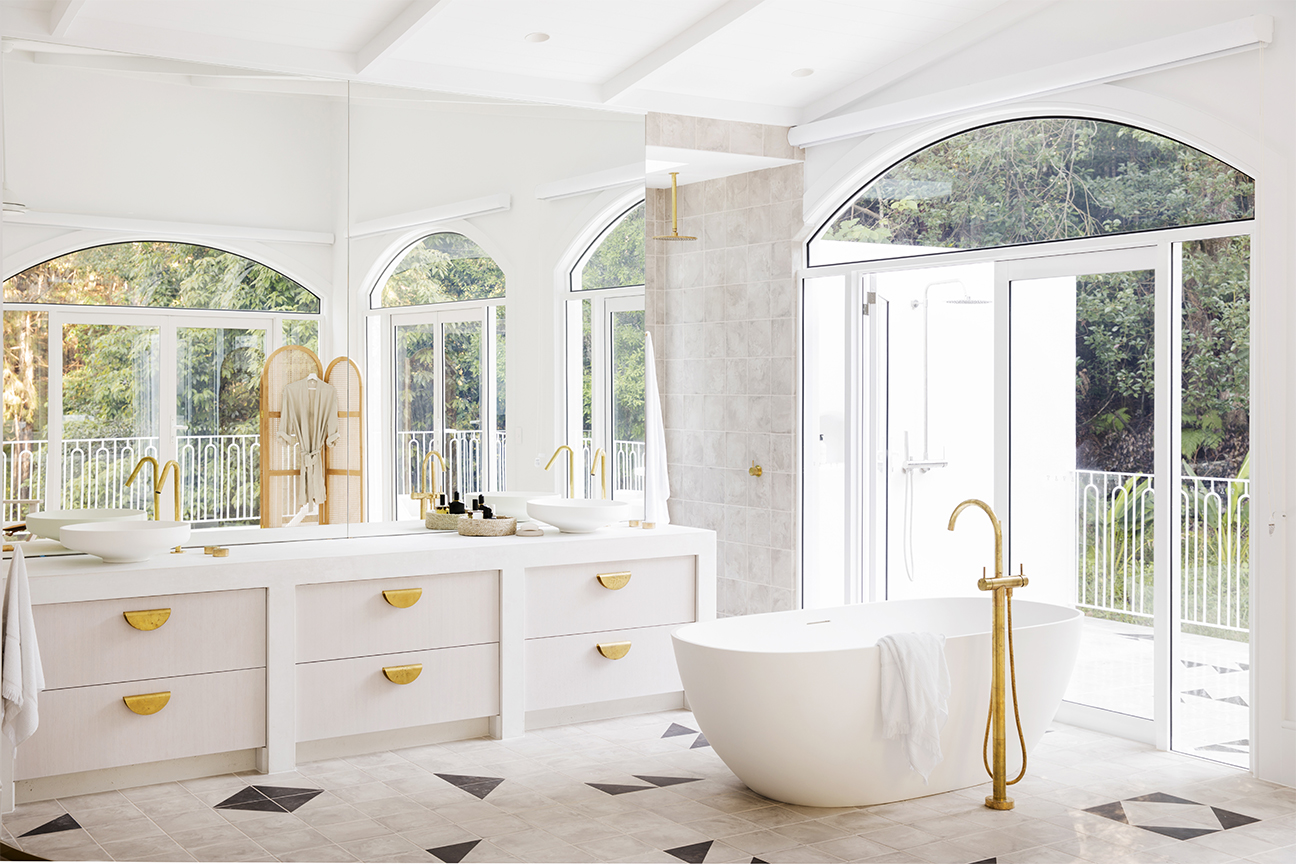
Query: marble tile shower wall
[723,314]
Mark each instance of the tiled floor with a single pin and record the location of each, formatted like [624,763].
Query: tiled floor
[651,789]
[1212,715]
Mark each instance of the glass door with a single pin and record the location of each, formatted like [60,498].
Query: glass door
[1082,437]
[1128,479]
[445,402]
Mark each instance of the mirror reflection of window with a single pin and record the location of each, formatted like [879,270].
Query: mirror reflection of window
[446,326]
[605,335]
[133,381]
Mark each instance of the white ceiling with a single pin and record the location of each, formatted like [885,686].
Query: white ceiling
[730,59]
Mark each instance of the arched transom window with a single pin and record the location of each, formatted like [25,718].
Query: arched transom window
[441,268]
[1031,181]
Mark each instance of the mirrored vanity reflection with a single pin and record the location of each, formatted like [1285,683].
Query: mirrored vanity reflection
[214,221]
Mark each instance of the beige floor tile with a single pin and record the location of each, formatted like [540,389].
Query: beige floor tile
[196,838]
[126,850]
[128,829]
[940,852]
[329,815]
[616,847]
[360,829]
[853,848]
[800,855]
[190,820]
[318,853]
[292,841]
[372,848]
[760,842]
[232,850]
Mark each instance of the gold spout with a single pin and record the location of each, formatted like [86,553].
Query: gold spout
[600,453]
[172,469]
[1001,651]
[425,496]
[157,487]
[571,468]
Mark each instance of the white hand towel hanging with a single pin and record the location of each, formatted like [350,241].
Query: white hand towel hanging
[22,677]
[915,688]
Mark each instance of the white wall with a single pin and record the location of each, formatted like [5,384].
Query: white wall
[102,144]
[1237,108]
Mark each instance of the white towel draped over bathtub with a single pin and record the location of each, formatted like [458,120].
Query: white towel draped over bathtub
[915,687]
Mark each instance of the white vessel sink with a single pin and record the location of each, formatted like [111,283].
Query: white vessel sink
[46,523]
[578,515]
[124,542]
[511,503]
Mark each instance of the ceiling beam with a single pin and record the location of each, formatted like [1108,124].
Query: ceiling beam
[63,14]
[675,46]
[398,31]
[1219,40]
[997,19]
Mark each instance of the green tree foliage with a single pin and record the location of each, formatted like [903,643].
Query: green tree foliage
[619,259]
[155,274]
[442,268]
[1052,178]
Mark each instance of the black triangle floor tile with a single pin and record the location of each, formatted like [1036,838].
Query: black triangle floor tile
[677,729]
[1234,700]
[618,788]
[62,823]
[1163,798]
[1114,810]
[700,742]
[1245,667]
[264,805]
[477,786]
[1218,748]
[666,781]
[1193,664]
[1135,635]
[987,861]
[1225,670]
[284,791]
[1198,692]
[1241,742]
[246,795]
[759,861]
[455,852]
[694,853]
[1228,819]
[1179,833]
[292,802]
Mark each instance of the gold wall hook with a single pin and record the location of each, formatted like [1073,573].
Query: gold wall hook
[402,598]
[614,581]
[147,619]
[147,703]
[614,650]
[755,470]
[403,674]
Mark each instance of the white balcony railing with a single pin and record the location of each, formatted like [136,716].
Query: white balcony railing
[1114,513]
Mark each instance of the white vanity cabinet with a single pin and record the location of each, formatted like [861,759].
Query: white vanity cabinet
[354,638]
[206,650]
[600,632]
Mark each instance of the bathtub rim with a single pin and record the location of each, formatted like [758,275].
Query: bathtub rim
[785,650]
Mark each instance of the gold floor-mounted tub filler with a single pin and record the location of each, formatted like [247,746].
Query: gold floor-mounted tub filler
[1000,634]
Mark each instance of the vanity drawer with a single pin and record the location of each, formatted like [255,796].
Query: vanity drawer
[354,696]
[571,599]
[569,670]
[354,619]
[86,728]
[92,643]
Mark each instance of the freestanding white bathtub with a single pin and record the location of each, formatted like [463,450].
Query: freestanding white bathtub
[789,700]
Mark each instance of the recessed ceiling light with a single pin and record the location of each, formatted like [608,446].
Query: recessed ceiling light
[537,37]
[802,73]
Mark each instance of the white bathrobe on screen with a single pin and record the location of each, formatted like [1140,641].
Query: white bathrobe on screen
[309,419]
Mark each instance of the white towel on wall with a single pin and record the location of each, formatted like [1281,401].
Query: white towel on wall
[915,687]
[21,676]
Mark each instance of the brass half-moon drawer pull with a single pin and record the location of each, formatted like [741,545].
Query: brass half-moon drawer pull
[614,581]
[403,598]
[614,650]
[147,619]
[148,703]
[402,674]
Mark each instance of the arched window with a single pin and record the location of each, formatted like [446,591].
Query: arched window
[440,306]
[1031,181]
[96,375]
[605,352]
[441,268]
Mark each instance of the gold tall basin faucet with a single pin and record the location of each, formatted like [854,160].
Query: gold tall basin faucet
[170,469]
[571,468]
[1000,634]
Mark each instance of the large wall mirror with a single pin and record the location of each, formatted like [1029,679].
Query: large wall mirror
[191,239]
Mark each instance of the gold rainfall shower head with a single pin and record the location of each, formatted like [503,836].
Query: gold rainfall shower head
[674,235]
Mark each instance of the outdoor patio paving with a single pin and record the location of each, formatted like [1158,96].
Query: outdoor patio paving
[1212,715]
